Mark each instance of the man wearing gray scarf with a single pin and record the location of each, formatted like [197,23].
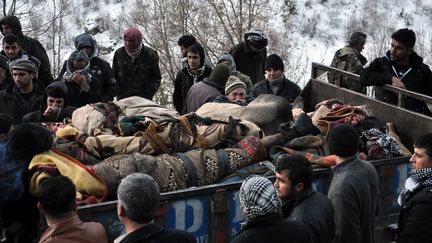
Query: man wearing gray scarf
[416,199]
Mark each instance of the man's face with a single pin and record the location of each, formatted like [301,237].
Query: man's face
[193,60]
[360,46]
[273,74]
[237,94]
[284,187]
[6,29]
[22,79]
[87,50]
[183,51]
[399,52]
[11,50]
[130,43]
[55,102]
[78,65]
[420,159]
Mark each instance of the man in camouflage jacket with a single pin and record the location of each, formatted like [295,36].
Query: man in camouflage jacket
[350,59]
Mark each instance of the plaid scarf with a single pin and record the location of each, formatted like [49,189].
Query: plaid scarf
[419,179]
[258,198]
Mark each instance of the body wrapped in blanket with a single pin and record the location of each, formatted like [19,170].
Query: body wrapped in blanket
[196,167]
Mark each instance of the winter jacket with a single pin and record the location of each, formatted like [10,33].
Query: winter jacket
[201,93]
[249,62]
[289,89]
[74,230]
[139,78]
[417,78]
[102,73]
[13,103]
[353,193]
[154,233]
[59,116]
[183,82]
[33,48]
[350,60]
[75,96]
[415,217]
[272,228]
[233,71]
[315,210]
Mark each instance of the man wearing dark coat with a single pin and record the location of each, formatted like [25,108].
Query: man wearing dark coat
[353,190]
[138,200]
[300,202]
[54,106]
[82,87]
[416,198]
[100,70]
[194,72]
[263,217]
[208,89]
[250,55]
[12,49]
[136,67]
[403,68]
[25,94]
[11,25]
[276,82]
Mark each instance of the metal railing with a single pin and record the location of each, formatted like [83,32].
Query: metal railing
[319,69]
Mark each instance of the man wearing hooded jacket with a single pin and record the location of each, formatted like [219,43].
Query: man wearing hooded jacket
[195,72]
[100,70]
[403,68]
[11,25]
[250,55]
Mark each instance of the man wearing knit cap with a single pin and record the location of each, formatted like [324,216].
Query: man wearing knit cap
[208,89]
[25,95]
[136,67]
[262,212]
[235,92]
[401,67]
[354,188]
[276,83]
[350,59]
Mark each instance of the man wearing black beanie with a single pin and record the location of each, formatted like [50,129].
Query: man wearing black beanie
[354,188]
[403,68]
[276,83]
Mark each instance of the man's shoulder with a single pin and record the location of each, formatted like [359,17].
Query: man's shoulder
[173,235]
[149,51]
[261,83]
[292,85]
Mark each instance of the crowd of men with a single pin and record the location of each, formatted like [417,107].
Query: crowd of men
[289,208]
